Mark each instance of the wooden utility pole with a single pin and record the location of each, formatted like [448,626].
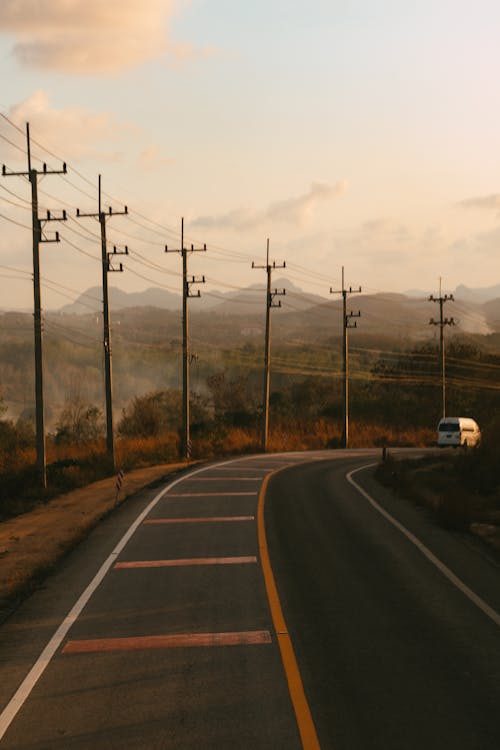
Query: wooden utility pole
[346,324]
[106,268]
[187,282]
[442,322]
[38,237]
[270,297]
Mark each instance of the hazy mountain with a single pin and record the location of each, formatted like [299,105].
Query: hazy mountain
[462,293]
[241,301]
[407,314]
[91,300]
[252,299]
[484,294]
[492,313]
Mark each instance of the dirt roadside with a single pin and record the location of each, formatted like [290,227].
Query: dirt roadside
[32,544]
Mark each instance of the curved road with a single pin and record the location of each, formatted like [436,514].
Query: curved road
[164,629]
[398,638]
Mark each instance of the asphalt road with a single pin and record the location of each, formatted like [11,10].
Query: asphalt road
[161,631]
[393,654]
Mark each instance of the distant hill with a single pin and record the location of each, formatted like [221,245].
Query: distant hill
[91,300]
[462,293]
[484,294]
[238,302]
[252,299]
[399,313]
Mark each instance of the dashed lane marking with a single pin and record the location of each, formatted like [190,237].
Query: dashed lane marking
[213,519]
[211,494]
[185,640]
[10,711]
[187,562]
[225,479]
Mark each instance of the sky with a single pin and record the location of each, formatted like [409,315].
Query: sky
[355,133]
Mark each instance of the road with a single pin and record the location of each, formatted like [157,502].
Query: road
[393,653]
[164,629]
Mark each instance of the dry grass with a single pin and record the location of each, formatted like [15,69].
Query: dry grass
[141,451]
[438,484]
[72,466]
[323,433]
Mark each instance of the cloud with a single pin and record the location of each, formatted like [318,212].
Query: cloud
[74,129]
[385,228]
[480,246]
[299,210]
[292,211]
[152,157]
[485,202]
[90,36]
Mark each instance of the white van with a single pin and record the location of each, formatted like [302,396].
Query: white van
[458,431]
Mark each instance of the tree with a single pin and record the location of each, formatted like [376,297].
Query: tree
[234,401]
[158,412]
[14,435]
[79,424]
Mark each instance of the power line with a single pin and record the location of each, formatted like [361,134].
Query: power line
[19,148]
[346,325]
[15,195]
[38,237]
[270,303]
[186,294]
[106,268]
[13,221]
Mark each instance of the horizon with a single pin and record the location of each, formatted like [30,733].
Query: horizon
[415,294]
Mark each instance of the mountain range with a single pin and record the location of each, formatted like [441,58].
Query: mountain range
[390,313]
[242,301]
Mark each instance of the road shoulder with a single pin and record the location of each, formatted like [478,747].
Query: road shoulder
[33,543]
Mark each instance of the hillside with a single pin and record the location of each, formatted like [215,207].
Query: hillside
[306,343]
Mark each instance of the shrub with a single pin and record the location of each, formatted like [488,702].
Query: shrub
[79,424]
[158,412]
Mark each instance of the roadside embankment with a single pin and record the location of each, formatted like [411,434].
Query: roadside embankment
[452,489]
[31,544]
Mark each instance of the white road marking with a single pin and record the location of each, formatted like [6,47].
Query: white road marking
[22,693]
[24,690]
[455,580]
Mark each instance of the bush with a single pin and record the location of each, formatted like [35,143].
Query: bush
[15,438]
[478,468]
[79,424]
[158,412]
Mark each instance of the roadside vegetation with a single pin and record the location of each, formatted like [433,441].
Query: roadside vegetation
[227,422]
[461,488]
[394,401]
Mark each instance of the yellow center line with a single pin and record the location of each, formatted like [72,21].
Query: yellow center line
[305,721]
[225,479]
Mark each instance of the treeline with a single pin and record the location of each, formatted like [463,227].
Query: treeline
[394,385]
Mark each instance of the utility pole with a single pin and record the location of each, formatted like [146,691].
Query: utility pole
[346,324]
[107,267]
[270,303]
[186,445]
[38,237]
[442,322]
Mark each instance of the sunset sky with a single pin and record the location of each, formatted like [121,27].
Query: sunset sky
[363,133]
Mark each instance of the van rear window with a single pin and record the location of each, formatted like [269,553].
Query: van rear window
[449,427]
